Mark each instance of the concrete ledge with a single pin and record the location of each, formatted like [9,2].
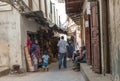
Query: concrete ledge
[4,71]
[89,75]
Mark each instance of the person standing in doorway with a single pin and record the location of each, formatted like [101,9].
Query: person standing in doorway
[62,45]
[35,54]
[70,50]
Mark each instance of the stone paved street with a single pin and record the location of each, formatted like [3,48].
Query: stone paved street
[54,74]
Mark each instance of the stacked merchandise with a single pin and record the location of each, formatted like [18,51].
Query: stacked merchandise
[40,40]
[32,52]
[47,42]
[29,60]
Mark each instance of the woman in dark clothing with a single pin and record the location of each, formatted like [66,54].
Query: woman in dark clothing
[70,50]
[35,54]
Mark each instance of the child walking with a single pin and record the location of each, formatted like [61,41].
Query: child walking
[45,58]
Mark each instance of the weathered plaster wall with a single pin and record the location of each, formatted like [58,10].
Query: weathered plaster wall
[26,2]
[114,6]
[43,7]
[4,49]
[35,5]
[10,51]
[48,9]
[13,35]
[26,25]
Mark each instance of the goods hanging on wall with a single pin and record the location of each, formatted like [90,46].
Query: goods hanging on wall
[29,60]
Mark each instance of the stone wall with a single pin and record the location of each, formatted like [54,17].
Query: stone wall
[35,4]
[26,25]
[114,8]
[13,35]
[10,51]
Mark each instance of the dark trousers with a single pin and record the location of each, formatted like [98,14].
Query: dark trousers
[62,60]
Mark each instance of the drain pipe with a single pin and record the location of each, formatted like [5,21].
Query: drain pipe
[101,38]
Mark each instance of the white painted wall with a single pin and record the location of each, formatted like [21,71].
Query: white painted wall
[10,40]
[13,35]
[43,6]
[26,2]
[4,6]
[35,5]
[48,10]
[53,14]
[4,41]
[26,25]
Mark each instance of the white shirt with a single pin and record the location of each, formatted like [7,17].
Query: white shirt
[62,44]
[77,47]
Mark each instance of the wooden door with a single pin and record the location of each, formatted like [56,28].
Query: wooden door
[95,37]
[87,39]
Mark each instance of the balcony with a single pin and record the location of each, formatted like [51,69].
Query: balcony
[73,9]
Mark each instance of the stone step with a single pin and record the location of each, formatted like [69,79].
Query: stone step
[4,71]
[89,75]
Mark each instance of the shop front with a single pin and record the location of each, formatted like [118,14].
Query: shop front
[46,42]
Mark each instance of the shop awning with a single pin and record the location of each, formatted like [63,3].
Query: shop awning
[36,16]
[73,9]
[39,18]
[57,29]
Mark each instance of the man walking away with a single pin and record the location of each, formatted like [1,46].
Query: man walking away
[62,44]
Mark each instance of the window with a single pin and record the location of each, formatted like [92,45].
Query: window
[30,4]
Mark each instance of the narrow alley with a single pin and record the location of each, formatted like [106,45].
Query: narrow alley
[54,74]
[37,37]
